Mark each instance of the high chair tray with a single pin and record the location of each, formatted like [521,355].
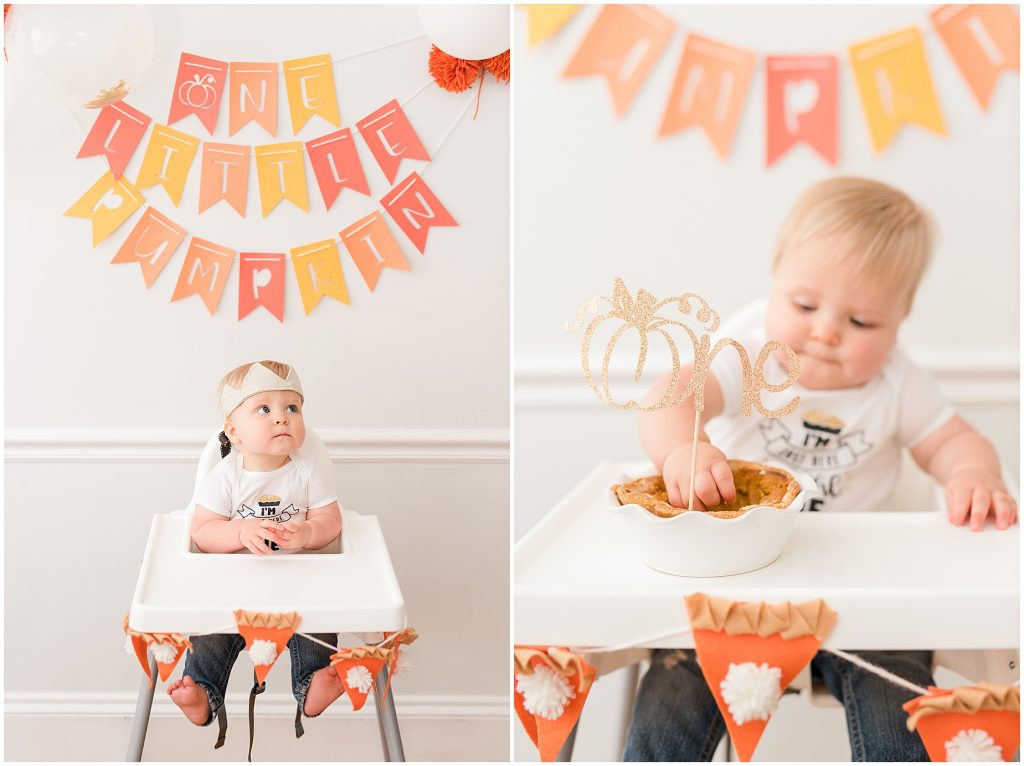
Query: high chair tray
[906,580]
[351,591]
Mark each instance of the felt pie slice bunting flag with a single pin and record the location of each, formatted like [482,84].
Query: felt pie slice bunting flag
[358,667]
[266,635]
[166,648]
[750,652]
[968,723]
[551,686]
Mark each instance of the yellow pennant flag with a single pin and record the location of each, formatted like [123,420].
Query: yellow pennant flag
[544,21]
[310,86]
[895,85]
[318,272]
[281,172]
[108,203]
[167,161]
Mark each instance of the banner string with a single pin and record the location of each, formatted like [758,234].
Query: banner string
[881,672]
[234,629]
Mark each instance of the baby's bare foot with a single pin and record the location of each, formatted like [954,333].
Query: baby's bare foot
[191,698]
[324,688]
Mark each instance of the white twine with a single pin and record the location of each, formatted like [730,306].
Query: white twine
[881,672]
[280,70]
[634,644]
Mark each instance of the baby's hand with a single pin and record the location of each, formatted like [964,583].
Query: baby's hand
[255,534]
[977,492]
[294,535]
[713,483]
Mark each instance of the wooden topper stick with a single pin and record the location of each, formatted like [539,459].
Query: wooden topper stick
[693,458]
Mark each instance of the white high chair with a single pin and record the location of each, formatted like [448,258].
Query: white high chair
[349,586]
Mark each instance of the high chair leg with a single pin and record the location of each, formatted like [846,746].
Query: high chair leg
[387,719]
[140,722]
[565,754]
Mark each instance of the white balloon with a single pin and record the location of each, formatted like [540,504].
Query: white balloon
[92,54]
[467,31]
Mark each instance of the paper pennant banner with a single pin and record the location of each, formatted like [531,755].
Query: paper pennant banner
[166,648]
[551,686]
[373,248]
[252,96]
[205,273]
[261,283]
[895,85]
[391,138]
[198,90]
[802,105]
[358,668]
[266,635]
[225,175]
[151,244]
[544,21]
[281,173]
[750,652]
[115,134]
[336,165]
[318,272]
[984,41]
[310,86]
[709,90]
[969,723]
[415,209]
[107,204]
[622,46]
[167,161]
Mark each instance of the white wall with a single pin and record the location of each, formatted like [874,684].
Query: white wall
[110,391]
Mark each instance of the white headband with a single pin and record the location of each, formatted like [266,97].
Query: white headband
[257,380]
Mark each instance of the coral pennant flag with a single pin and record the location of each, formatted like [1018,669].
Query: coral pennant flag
[281,173]
[107,204]
[391,139]
[969,723]
[205,273]
[266,635]
[373,248]
[225,175]
[709,90]
[623,46]
[318,272]
[309,83]
[551,686]
[415,209]
[750,652]
[198,90]
[261,283]
[336,165]
[358,668]
[115,134]
[252,96]
[544,21]
[151,244]
[895,85]
[802,105]
[984,40]
[166,648]
[167,161]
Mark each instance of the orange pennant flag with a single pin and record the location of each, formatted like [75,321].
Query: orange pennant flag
[266,635]
[373,248]
[984,41]
[415,209]
[252,96]
[115,134]
[623,46]
[205,273]
[391,138]
[107,204]
[225,175]
[336,165]
[358,668]
[166,649]
[151,244]
[261,283]
[167,161]
[309,83]
[318,272]
[281,174]
[802,105]
[551,685]
[969,723]
[709,90]
[895,85]
[198,90]
[750,652]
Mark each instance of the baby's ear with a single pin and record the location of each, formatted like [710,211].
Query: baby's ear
[230,432]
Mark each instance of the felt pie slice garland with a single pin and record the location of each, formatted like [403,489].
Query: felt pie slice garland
[358,668]
[266,634]
[167,649]
[551,686]
[968,723]
[750,652]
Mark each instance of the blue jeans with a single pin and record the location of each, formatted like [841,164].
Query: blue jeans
[213,655]
[676,718]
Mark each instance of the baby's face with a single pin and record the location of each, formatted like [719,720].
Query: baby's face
[269,423]
[841,326]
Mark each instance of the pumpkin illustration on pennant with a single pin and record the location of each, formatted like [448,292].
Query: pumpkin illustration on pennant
[199,92]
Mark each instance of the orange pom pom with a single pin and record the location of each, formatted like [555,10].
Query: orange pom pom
[452,74]
[500,66]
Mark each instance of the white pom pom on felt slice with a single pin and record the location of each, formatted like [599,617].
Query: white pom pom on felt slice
[402,665]
[263,652]
[129,647]
[973,745]
[165,653]
[751,691]
[359,677]
[545,692]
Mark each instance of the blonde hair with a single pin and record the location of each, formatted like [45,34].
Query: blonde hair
[237,375]
[885,232]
